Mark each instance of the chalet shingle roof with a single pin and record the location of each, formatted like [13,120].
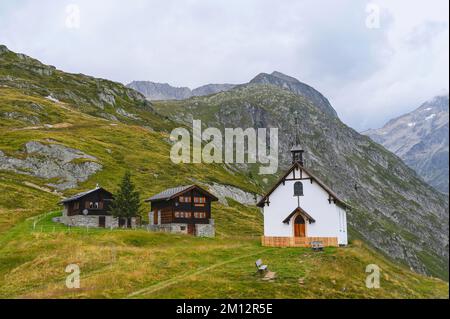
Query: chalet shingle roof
[172,192]
[169,192]
[81,195]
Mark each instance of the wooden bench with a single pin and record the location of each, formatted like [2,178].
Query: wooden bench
[317,245]
[259,265]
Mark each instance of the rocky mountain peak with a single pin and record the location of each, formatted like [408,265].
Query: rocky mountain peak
[3,48]
[292,84]
[284,77]
[420,138]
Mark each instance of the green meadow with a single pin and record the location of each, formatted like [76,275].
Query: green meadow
[34,251]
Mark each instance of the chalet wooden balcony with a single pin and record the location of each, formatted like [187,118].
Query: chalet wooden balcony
[269,241]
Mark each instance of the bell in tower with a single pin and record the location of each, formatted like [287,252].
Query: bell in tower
[297,154]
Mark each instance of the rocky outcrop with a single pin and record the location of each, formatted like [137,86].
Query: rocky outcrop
[31,119]
[222,192]
[66,165]
[123,112]
[420,139]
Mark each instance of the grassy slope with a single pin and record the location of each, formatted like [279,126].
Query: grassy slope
[155,265]
[137,264]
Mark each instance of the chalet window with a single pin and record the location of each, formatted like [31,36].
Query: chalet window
[200,200]
[184,199]
[199,215]
[183,214]
[76,205]
[93,205]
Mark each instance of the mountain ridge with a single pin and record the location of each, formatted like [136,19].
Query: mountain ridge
[420,138]
[164,91]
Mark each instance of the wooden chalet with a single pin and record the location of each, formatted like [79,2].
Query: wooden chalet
[185,209]
[91,209]
[92,202]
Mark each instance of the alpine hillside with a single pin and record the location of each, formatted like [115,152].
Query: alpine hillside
[63,133]
[420,139]
[393,209]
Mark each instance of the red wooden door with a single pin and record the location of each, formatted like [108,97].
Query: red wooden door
[299,227]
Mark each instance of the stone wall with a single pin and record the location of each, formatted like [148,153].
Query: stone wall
[201,230]
[205,230]
[80,221]
[91,221]
[169,228]
[166,228]
[179,228]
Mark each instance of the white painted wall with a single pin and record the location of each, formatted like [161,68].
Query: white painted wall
[331,220]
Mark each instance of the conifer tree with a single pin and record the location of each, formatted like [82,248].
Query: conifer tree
[126,201]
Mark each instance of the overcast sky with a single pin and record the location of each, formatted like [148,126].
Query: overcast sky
[371,67]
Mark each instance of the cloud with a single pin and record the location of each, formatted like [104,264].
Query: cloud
[368,74]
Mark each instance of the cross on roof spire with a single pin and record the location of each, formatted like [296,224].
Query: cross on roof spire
[296,150]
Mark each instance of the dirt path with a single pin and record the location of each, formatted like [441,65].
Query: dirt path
[45,126]
[169,282]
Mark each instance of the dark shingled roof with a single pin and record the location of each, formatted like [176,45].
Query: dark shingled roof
[302,212]
[80,195]
[169,192]
[172,192]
